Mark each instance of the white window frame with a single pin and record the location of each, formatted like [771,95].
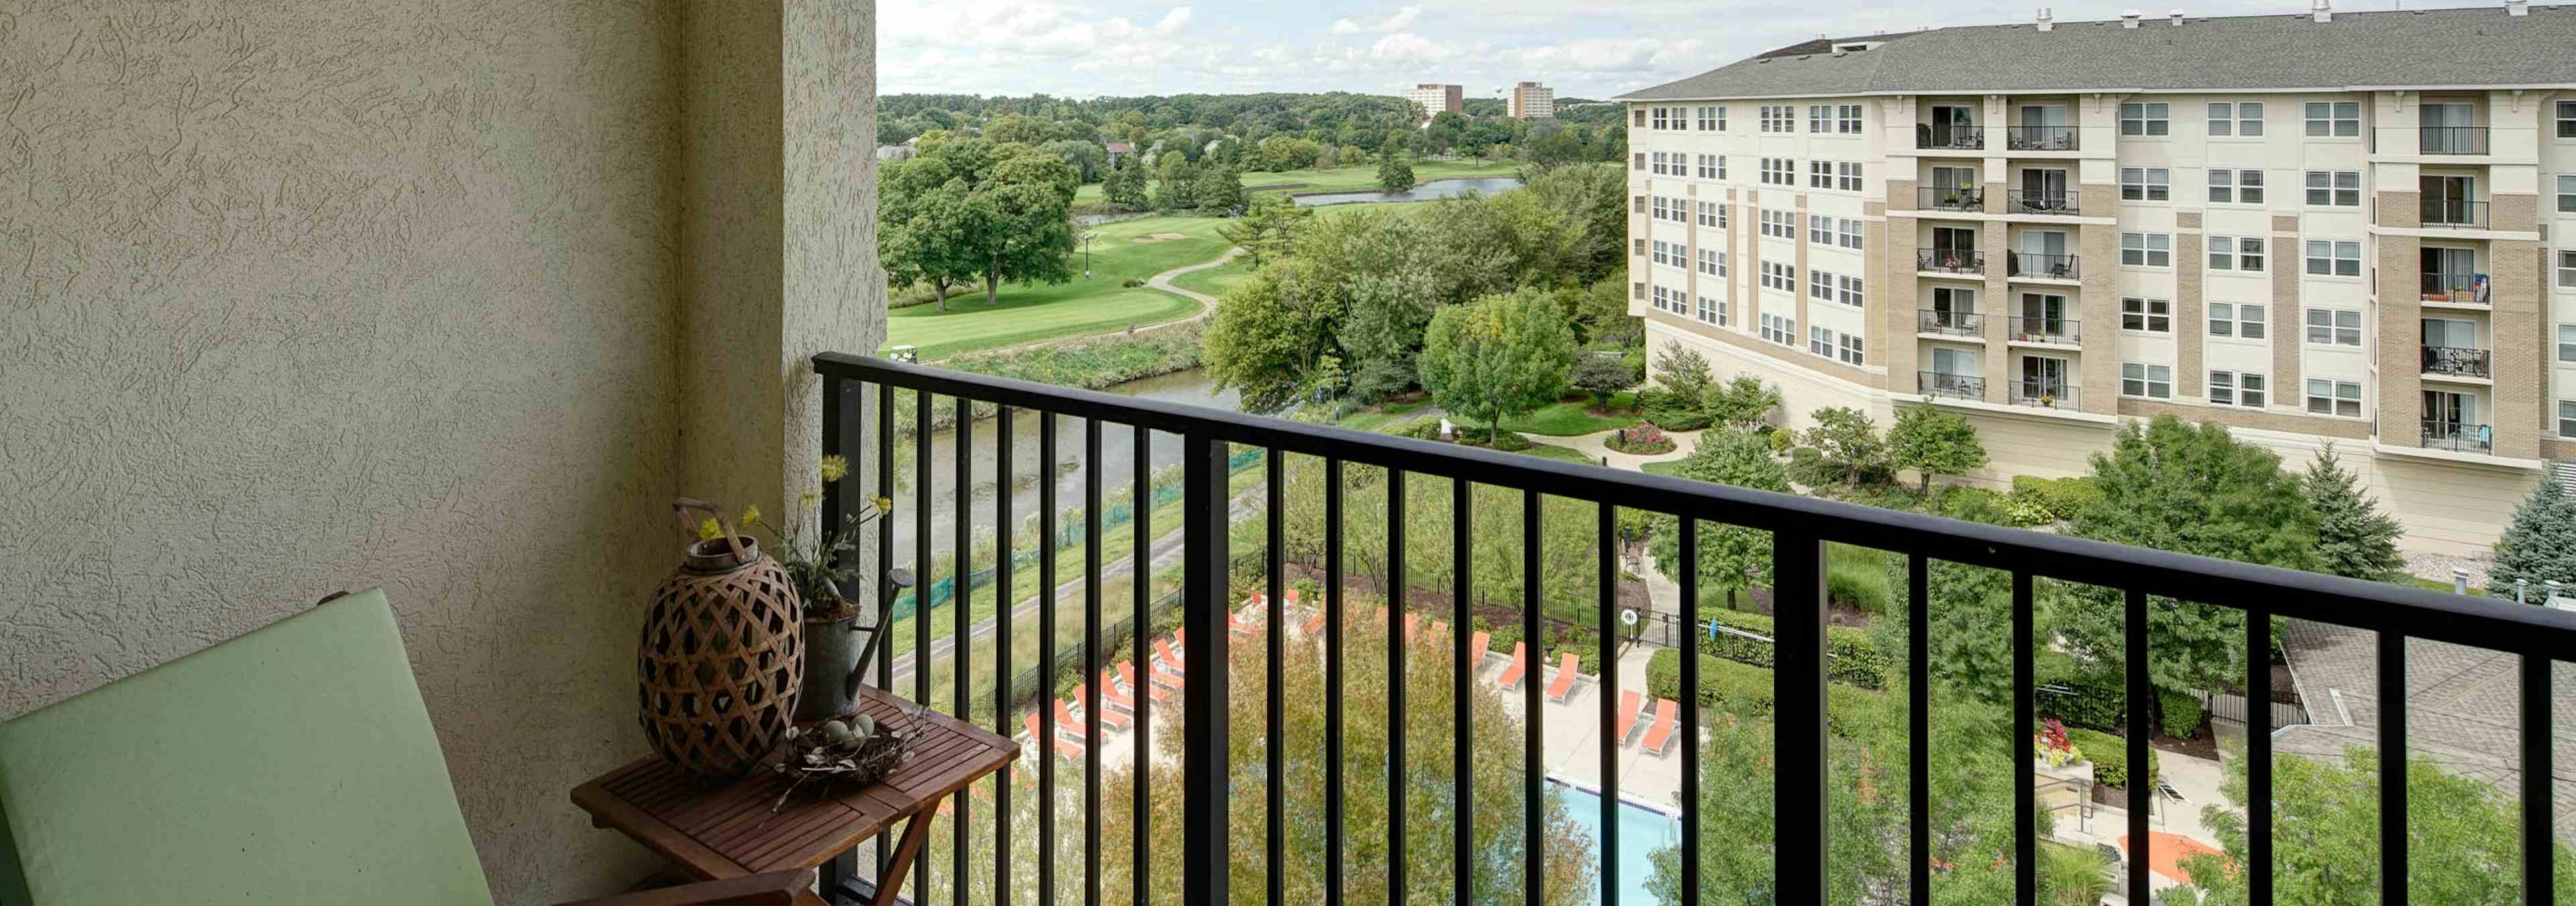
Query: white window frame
[2146,381]
[1712,119]
[2566,113]
[1847,176]
[2567,418]
[2235,186]
[1712,214]
[1820,174]
[2567,344]
[1820,285]
[1847,119]
[2340,119]
[1780,329]
[1711,311]
[2340,327]
[1820,342]
[2567,268]
[2145,119]
[2153,250]
[2236,119]
[1820,229]
[2146,184]
[2336,189]
[1778,276]
[2243,389]
[2334,401]
[2244,254]
[1712,262]
[2567,193]
[1851,350]
[1851,236]
[2146,315]
[1851,290]
[1820,118]
[2338,258]
[2238,320]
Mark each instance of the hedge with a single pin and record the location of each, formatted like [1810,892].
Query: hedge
[2061,497]
[2179,713]
[1851,656]
[2088,702]
[1739,689]
[2110,757]
[1675,417]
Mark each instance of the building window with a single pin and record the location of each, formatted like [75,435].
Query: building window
[1779,224]
[1847,119]
[1851,290]
[1779,171]
[2143,119]
[1663,252]
[1710,312]
[1849,176]
[2567,194]
[2567,268]
[2567,344]
[1712,119]
[2235,253]
[2236,186]
[2146,184]
[1820,174]
[2147,249]
[2334,327]
[1782,277]
[1659,208]
[1820,285]
[2341,259]
[2334,188]
[1712,262]
[1820,118]
[2334,398]
[2567,119]
[1661,120]
[2340,119]
[2229,319]
[1639,115]
[1708,167]
[2566,408]
[1820,341]
[1637,290]
[1669,300]
[2222,253]
[1640,161]
[2230,388]
[1820,229]
[2150,381]
[1781,330]
[1712,214]
[1850,238]
[1663,165]
[2238,119]
[1851,350]
[1779,118]
[2150,315]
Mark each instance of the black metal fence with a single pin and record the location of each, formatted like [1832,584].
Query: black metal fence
[1951,323]
[1949,198]
[2454,360]
[2040,138]
[2452,212]
[1950,260]
[1943,383]
[1800,529]
[2454,139]
[2043,265]
[2057,202]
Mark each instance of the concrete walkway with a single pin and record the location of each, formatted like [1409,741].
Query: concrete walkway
[1161,281]
[1597,446]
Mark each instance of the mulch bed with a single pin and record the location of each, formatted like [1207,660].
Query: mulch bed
[1837,613]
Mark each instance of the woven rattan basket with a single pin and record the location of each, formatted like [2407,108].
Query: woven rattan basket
[722,656]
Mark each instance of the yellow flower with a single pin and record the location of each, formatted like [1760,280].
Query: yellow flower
[808,498]
[884,504]
[710,529]
[751,515]
[835,467]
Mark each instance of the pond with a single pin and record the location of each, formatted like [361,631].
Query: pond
[1438,188]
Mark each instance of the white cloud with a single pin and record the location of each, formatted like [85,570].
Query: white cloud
[1407,47]
[1345,27]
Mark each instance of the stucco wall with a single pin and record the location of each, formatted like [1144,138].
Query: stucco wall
[308,297]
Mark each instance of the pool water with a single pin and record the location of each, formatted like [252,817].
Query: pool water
[1642,831]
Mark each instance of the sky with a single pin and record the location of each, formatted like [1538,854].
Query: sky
[1582,48]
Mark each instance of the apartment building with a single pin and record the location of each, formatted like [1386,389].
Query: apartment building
[1437,99]
[1531,100]
[2324,227]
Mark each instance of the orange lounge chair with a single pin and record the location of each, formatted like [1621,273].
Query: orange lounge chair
[1170,660]
[1629,706]
[1412,626]
[1511,678]
[1666,710]
[1072,726]
[1477,646]
[1242,626]
[1163,673]
[1109,694]
[1127,672]
[1108,718]
[1315,622]
[1564,684]
[1071,751]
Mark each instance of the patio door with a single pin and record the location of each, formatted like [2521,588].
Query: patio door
[2043,317]
[2447,199]
[2449,415]
[2043,376]
[2446,333]
[2449,128]
[2043,189]
[2044,127]
[1953,301]
[1959,181]
[1953,126]
[2451,273]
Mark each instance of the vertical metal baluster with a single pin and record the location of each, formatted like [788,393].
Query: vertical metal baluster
[1533,760]
[885,566]
[2141,791]
[2025,798]
[958,649]
[1206,836]
[1091,659]
[1005,611]
[2392,767]
[1608,691]
[1918,707]
[1274,476]
[2258,757]
[1333,874]
[1462,883]
[1397,586]
[1798,697]
[921,413]
[2539,847]
[1143,619]
[1044,694]
[841,864]
[1689,543]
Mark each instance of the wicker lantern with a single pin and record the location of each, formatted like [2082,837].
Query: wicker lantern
[722,655]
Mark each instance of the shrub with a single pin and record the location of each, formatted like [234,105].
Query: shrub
[1853,586]
[2110,755]
[1974,505]
[2083,699]
[1132,283]
[1671,415]
[1511,442]
[1418,429]
[2024,510]
[2178,713]
[1644,440]
[1808,466]
[2060,497]
[1852,657]
[1739,689]
[1780,440]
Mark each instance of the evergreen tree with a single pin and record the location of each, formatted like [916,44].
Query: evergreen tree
[1125,186]
[2540,545]
[2354,538]
[1266,228]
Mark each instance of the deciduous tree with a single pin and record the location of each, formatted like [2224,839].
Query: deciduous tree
[1934,442]
[1220,189]
[1730,556]
[966,208]
[1395,173]
[1847,436]
[1743,402]
[1126,186]
[1497,357]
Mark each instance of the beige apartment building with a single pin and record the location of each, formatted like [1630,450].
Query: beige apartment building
[1531,100]
[2323,227]
[1437,99]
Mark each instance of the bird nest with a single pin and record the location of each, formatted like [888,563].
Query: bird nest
[855,752]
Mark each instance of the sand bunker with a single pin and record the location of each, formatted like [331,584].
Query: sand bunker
[1158,237]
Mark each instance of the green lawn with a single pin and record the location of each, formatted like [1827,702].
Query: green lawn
[1667,467]
[1378,417]
[1338,179]
[1216,280]
[1552,451]
[1028,314]
[1568,419]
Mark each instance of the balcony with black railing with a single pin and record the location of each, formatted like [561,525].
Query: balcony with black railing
[1950,261]
[2458,437]
[2442,212]
[2040,138]
[2061,331]
[2456,362]
[2453,139]
[1285,724]
[2044,266]
[1950,323]
[1938,198]
[2054,203]
[1943,137]
[1950,384]
[2455,289]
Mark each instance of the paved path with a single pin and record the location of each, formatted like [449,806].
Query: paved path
[1597,446]
[1161,281]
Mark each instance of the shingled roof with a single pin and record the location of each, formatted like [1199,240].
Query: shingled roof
[2405,48]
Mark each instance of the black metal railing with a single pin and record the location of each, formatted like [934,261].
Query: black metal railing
[1949,138]
[2443,212]
[1953,323]
[2454,139]
[1940,198]
[1950,261]
[1943,383]
[2043,330]
[2043,395]
[2040,138]
[2468,289]
[2453,360]
[2458,437]
[1795,858]
[2052,267]
[2053,202]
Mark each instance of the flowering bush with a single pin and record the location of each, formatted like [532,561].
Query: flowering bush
[1642,439]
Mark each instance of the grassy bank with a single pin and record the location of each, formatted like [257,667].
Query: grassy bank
[1338,179]
[1128,250]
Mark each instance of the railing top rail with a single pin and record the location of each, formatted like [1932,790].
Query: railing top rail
[2364,604]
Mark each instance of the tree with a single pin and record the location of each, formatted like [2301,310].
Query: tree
[1555,148]
[925,238]
[1600,309]
[1730,556]
[1395,174]
[1351,156]
[2354,538]
[1934,442]
[1682,372]
[1847,436]
[1270,335]
[1220,189]
[1267,227]
[1125,186]
[966,208]
[1500,356]
[1089,159]
[2539,545]
[1030,235]
[2325,835]
[1603,375]
[1743,403]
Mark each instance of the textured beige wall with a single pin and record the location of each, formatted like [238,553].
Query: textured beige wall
[394,293]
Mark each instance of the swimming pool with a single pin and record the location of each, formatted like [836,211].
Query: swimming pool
[1642,831]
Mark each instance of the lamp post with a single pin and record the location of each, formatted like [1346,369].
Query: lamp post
[1086,254]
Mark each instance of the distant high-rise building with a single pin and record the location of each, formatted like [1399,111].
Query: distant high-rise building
[1531,100]
[1437,99]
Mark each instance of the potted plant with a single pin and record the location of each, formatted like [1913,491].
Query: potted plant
[818,566]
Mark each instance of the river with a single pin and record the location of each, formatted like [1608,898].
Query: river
[1117,456]
[1438,188]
